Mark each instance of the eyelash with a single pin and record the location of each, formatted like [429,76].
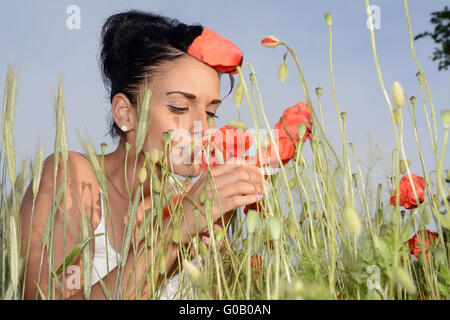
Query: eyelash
[179,110]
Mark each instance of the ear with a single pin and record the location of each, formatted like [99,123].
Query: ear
[123,112]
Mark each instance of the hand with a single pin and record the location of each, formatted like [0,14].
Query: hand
[235,185]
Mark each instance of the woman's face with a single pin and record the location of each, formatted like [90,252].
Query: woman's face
[185,94]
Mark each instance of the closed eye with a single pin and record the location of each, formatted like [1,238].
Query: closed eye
[211,114]
[177,110]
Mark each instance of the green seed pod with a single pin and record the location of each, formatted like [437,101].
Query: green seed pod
[127,146]
[397,116]
[328,19]
[274,224]
[252,220]
[398,95]
[402,166]
[403,213]
[142,175]
[413,100]
[252,77]
[445,118]
[404,280]
[283,71]
[344,115]
[319,92]
[237,125]
[352,221]
[238,94]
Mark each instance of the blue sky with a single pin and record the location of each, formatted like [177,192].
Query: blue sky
[34,36]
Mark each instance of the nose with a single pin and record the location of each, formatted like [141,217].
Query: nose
[200,126]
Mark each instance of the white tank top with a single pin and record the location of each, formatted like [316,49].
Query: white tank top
[100,268]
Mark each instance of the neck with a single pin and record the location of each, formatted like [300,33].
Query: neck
[115,169]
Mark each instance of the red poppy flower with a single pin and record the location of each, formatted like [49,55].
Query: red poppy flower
[286,149]
[426,240]
[168,209]
[230,142]
[407,198]
[257,206]
[216,51]
[292,117]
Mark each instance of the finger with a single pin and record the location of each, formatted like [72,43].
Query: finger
[241,173]
[238,200]
[240,188]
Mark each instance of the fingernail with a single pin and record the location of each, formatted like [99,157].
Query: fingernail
[259,196]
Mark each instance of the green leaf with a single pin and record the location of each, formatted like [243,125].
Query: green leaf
[75,252]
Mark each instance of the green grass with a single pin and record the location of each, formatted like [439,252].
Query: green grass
[325,235]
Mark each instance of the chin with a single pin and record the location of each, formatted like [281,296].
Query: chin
[187,170]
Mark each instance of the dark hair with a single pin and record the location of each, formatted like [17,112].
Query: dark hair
[134,44]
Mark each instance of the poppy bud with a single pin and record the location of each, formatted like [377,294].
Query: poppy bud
[203,196]
[127,146]
[404,280]
[238,94]
[176,235]
[419,76]
[318,91]
[196,212]
[252,220]
[154,155]
[292,183]
[194,273]
[103,147]
[251,76]
[142,175]
[208,204]
[203,249]
[292,232]
[302,215]
[445,118]
[270,41]
[237,125]
[403,212]
[397,116]
[398,95]
[316,214]
[352,221]
[162,264]
[328,19]
[413,100]
[210,120]
[219,235]
[283,72]
[274,224]
[156,184]
[301,129]
[402,167]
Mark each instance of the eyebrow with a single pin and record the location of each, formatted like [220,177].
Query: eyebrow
[193,97]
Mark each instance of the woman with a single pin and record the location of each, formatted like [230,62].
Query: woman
[181,64]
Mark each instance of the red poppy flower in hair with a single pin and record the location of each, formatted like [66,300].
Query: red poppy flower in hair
[216,51]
